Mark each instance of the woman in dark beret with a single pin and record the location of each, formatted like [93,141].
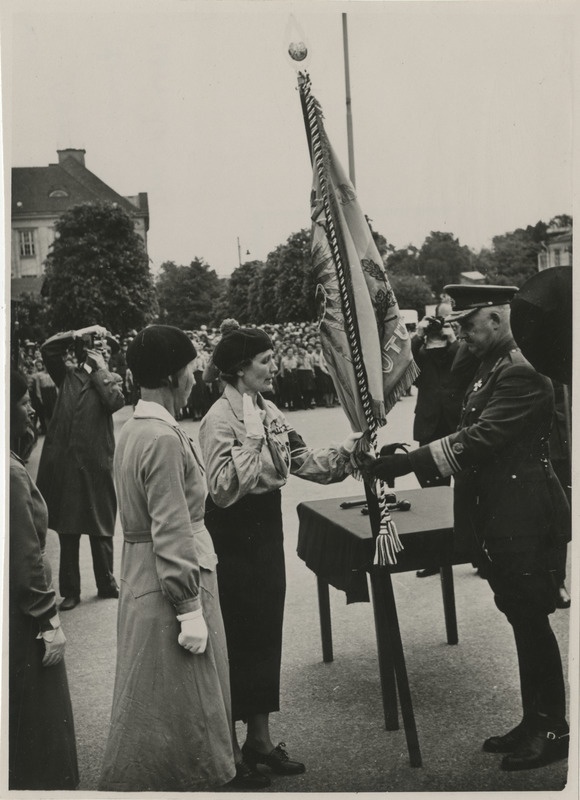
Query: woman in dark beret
[249,450]
[171,719]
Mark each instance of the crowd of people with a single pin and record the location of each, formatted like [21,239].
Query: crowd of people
[302,379]
[202,590]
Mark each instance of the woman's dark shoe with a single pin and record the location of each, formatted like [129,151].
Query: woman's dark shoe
[277,759]
[539,749]
[248,777]
[509,741]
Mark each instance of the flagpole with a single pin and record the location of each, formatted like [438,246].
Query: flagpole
[349,132]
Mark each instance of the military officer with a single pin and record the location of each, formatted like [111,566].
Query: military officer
[508,508]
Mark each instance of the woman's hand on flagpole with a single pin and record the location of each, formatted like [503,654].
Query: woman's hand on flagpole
[351,442]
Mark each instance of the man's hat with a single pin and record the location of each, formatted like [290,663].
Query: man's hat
[469,298]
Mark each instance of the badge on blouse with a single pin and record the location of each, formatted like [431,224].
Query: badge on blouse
[278,426]
[477,385]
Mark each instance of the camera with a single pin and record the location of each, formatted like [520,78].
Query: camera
[435,326]
[88,340]
[92,341]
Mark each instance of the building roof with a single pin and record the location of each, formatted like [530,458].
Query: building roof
[559,238]
[50,191]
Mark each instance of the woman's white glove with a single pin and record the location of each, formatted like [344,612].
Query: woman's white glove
[350,442]
[193,636]
[253,418]
[54,643]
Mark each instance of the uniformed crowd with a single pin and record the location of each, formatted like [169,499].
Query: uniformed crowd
[201,597]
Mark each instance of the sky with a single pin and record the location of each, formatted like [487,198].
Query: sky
[462,112]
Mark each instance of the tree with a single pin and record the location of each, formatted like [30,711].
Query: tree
[240,285]
[442,259]
[187,294]
[403,261]
[412,291]
[30,317]
[97,271]
[513,257]
[254,305]
[561,221]
[295,288]
[267,292]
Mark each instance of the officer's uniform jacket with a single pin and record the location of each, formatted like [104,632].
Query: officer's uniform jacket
[505,487]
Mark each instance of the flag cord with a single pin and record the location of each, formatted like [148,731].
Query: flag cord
[388,542]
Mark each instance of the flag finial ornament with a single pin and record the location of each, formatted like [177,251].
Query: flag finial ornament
[297,51]
[296,44]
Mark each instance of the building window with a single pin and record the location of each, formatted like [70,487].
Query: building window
[27,243]
[557,257]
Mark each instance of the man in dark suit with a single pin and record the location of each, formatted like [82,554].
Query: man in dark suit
[509,508]
[75,473]
[439,396]
[446,368]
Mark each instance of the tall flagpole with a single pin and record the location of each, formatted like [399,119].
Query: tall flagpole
[348,103]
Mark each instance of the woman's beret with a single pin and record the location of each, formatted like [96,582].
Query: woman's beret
[238,346]
[157,352]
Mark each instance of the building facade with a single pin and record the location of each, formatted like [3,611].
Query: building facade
[40,195]
[556,249]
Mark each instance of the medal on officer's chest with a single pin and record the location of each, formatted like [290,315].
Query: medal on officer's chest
[477,385]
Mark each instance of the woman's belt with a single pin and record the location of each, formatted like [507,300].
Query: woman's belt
[145,535]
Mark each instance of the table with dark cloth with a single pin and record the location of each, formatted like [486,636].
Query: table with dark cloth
[337,545]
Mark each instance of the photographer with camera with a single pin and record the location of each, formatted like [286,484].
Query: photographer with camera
[75,470]
[446,370]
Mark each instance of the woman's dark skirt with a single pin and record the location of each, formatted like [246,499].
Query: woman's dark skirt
[42,744]
[249,543]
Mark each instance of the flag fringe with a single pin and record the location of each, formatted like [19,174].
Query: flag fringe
[407,380]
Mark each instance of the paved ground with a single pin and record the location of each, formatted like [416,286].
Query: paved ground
[331,714]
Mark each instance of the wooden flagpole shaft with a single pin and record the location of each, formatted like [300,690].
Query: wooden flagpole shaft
[349,131]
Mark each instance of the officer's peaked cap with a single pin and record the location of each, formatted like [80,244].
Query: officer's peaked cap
[469,298]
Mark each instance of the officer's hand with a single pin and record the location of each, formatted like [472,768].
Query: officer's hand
[95,359]
[365,462]
[193,636]
[54,646]
[389,449]
[387,468]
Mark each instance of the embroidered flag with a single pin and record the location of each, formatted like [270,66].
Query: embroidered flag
[364,339]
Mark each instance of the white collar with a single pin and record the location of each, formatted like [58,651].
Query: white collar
[145,409]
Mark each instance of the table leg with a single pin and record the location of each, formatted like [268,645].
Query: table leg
[384,652]
[381,578]
[449,604]
[325,623]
